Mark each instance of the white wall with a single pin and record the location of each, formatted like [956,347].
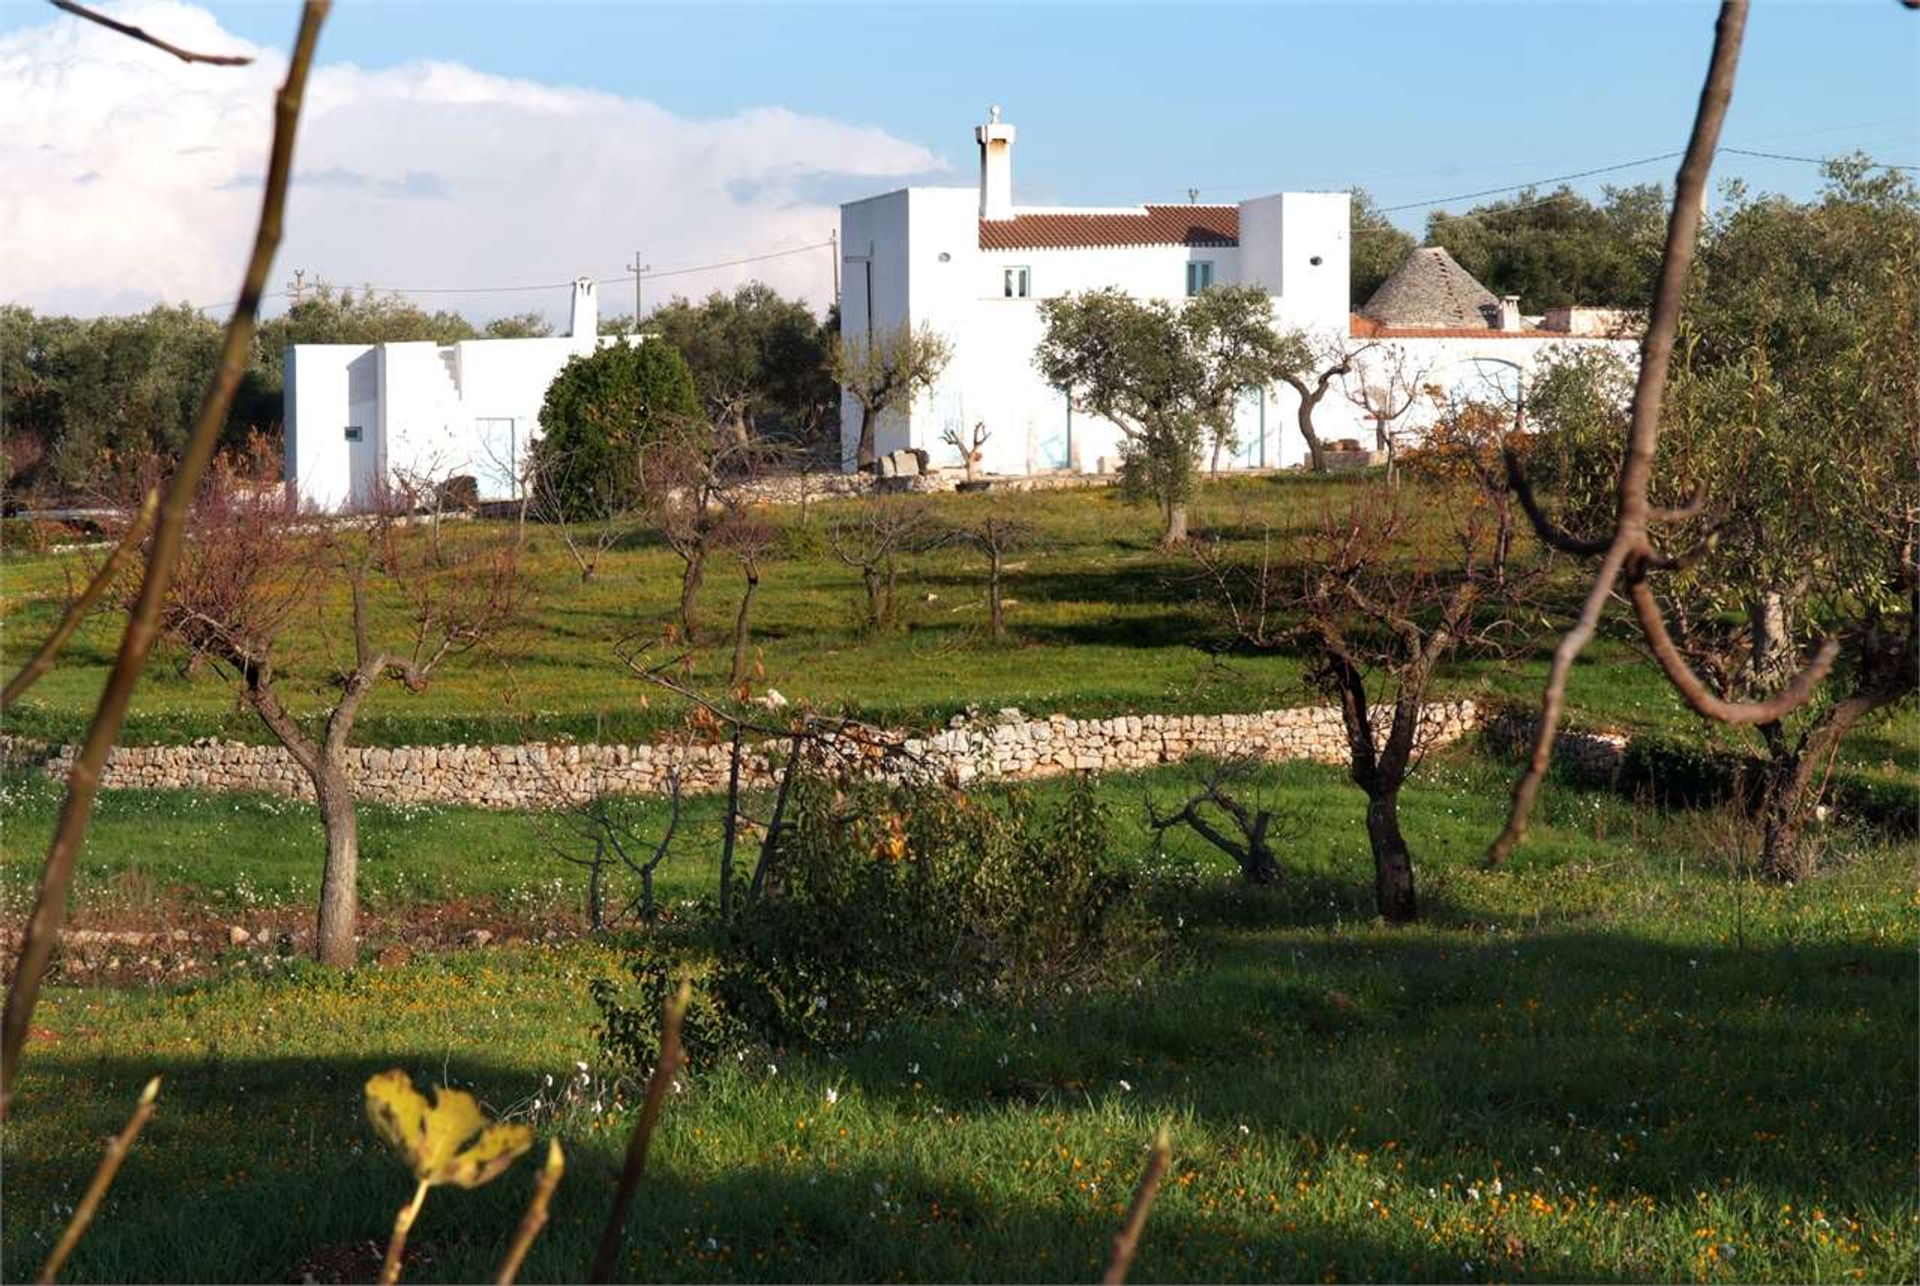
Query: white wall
[330,388]
[424,409]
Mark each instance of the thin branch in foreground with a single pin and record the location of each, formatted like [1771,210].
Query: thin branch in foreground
[42,661]
[1628,552]
[148,38]
[102,1178]
[536,1217]
[673,1012]
[1127,1241]
[143,624]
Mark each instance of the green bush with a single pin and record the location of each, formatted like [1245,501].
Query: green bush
[600,413]
[883,901]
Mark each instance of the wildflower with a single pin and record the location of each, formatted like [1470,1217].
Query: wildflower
[1126,1087]
[833,1095]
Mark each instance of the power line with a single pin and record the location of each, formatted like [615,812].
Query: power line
[1520,187]
[1813,160]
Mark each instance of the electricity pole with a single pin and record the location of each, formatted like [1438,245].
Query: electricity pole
[298,285]
[833,240]
[638,270]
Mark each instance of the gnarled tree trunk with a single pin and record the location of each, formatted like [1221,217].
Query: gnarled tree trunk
[1392,862]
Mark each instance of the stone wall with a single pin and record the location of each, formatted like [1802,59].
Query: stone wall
[1007,746]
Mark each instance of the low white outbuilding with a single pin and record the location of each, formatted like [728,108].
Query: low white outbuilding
[360,414]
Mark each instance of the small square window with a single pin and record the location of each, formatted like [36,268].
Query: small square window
[1199,275]
[353,433]
[1018,283]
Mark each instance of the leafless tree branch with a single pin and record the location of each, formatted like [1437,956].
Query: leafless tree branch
[148,38]
[143,625]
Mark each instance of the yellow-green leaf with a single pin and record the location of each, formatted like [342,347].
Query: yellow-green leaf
[447,1141]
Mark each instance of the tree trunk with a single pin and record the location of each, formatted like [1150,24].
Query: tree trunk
[866,455]
[1392,863]
[742,627]
[691,578]
[335,940]
[876,601]
[996,616]
[1773,660]
[1316,452]
[1176,533]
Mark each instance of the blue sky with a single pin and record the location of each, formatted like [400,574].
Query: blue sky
[548,140]
[1119,104]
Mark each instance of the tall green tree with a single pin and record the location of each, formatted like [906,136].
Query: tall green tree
[1167,376]
[600,414]
[755,357]
[1793,408]
[1559,248]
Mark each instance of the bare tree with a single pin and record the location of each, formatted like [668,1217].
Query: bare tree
[684,489]
[1384,384]
[752,541]
[1377,614]
[997,536]
[136,642]
[967,447]
[251,561]
[871,539]
[1217,815]
[549,496]
[884,371]
[604,834]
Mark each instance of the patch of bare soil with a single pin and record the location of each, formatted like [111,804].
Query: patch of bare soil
[172,939]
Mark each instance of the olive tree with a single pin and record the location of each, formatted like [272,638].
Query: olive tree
[1791,408]
[1168,377]
[885,371]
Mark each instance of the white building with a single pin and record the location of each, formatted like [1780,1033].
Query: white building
[974,266]
[357,413]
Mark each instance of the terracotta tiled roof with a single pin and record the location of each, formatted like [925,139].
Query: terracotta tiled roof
[1155,225]
[1367,328]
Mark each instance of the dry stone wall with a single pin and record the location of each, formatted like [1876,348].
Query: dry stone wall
[1007,746]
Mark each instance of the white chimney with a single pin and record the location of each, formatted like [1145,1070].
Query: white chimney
[1510,312]
[996,166]
[585,320]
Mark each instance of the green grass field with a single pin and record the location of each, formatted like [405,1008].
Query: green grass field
[1104,622]
[1621,1060]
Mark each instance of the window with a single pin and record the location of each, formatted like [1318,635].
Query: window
[1019,283]
[1199,275]
[353,433]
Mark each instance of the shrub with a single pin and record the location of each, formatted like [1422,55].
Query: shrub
[600,412]
[885,900]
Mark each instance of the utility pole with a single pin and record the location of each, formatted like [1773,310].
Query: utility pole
[298,285]
[638,270]
[833,240]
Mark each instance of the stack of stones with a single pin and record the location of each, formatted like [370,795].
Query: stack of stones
[1007,746]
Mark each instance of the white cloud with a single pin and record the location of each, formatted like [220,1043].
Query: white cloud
[128,177]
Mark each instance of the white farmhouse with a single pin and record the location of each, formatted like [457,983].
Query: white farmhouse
[360,413]
[974,266]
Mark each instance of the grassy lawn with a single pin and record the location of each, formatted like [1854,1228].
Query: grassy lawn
[1620,1060]
[1104,622]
